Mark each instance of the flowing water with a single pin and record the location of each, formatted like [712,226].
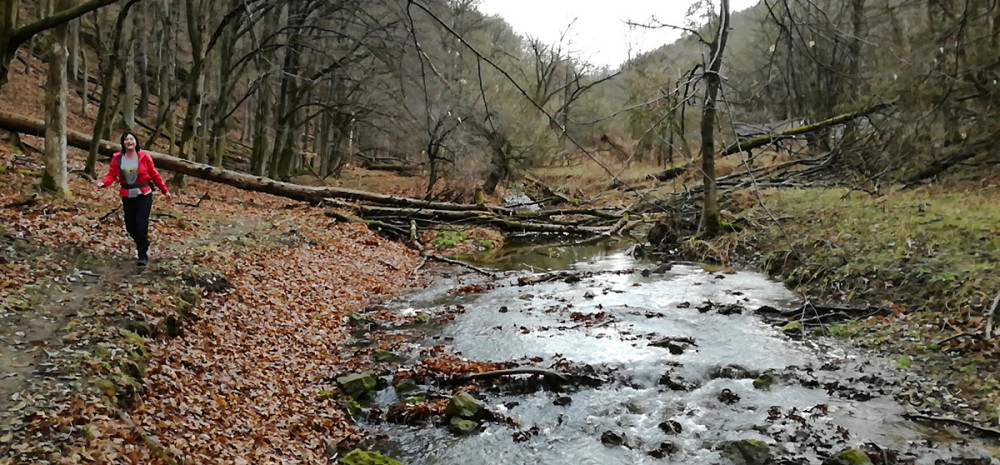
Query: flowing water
[826,398]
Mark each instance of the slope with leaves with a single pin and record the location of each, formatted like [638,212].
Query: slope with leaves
[242,382]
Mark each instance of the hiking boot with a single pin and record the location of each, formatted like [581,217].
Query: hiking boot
[141,262]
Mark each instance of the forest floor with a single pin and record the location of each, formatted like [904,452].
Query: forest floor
[92,368]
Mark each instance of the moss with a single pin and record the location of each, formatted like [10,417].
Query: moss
[106,387]
[764,382]
[33,174]
[48,182]
[360,457]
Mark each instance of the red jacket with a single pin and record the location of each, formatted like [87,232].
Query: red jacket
[146,173]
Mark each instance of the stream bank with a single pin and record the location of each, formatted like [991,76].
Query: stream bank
[672,366]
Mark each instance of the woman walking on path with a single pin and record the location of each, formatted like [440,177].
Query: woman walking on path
[134,169]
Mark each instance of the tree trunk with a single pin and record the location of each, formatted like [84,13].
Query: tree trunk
[192,118]
[710,212]
[73,62]
[127,66]
[55,177]
[8,25]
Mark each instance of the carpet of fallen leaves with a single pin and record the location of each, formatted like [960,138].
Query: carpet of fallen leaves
[242,383]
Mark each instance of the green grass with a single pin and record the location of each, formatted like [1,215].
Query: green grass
[915,247]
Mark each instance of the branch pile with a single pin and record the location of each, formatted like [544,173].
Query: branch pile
[384,211]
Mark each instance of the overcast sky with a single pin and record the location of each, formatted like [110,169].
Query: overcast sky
[599,34]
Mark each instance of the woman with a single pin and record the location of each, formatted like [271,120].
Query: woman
[134,169]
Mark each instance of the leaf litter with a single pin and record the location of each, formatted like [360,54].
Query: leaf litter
[222,351]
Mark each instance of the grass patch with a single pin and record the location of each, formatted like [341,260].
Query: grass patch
[919,248]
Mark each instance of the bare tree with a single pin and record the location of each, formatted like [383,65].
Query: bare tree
[710,211]
[12,36]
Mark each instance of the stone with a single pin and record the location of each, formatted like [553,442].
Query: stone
[849,457]
[461,426]
[382,355]
[361,457]
[612,439]
[746,452]
[589,294]
[463,405]
[407,386]
[764,382]
[664,449]
[358,385]
[792,329]
[670,427]
[732,371]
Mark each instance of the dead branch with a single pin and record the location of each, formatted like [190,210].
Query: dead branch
[548,374]
[989,319]
[459,263]
[774,137]
[981,429]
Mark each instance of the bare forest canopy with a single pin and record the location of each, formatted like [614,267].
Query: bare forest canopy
[281,87]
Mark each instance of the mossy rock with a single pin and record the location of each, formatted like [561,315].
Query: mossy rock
[404,387]
[358,385]
[849,457]
[793,328]
[464,405]
[362,457]
[461,426]
[764,382]
[746,452]
[381,355]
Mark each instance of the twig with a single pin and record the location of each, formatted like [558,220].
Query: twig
[421,265]
[981,429]
[193,205]
[950,338]
[456,262]
[105,217]
[989,320]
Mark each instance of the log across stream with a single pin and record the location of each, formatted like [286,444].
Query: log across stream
[685,366]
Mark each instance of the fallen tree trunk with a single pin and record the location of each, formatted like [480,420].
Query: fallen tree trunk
[770,138]
[952,157]
[506,219]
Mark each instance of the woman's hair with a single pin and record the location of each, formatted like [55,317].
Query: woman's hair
[128,133]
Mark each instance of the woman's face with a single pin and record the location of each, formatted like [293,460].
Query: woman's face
[129,142]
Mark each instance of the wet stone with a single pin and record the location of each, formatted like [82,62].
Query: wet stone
[664,449]
[732,371]
[670,427]
[563,401]
[613,439]
[849,457]
[728,397]
[675,382]
[746,452]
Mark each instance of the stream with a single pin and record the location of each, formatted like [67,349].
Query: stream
[678,353]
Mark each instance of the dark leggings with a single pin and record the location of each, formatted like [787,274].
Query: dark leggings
[137,220]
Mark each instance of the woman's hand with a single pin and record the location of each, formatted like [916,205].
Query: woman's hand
[169,197]
[100,184]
